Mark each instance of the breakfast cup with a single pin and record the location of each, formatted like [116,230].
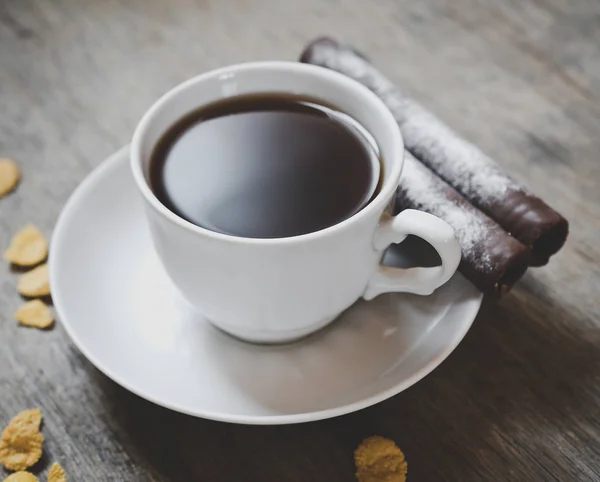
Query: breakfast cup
[281,289]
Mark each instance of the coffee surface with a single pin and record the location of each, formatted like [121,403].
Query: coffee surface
[265,166]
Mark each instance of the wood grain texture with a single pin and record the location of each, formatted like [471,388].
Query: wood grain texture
[518,400]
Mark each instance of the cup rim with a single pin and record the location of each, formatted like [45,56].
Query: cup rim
[294,67]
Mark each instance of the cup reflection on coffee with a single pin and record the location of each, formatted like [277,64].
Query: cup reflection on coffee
[265,166]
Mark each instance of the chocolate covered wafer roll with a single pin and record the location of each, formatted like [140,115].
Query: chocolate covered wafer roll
[460,163]
[490,258]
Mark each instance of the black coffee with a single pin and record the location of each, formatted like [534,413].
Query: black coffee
[265,166]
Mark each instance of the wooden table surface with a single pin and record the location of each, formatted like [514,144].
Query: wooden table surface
[519,400]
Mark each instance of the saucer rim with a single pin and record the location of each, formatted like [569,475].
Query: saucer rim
[90,181]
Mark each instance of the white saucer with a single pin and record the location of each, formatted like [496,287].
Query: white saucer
[123,313]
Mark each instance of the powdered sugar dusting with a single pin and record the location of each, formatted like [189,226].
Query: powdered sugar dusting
[471,227]
[459,162]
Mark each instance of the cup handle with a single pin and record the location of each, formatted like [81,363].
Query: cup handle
[421,281]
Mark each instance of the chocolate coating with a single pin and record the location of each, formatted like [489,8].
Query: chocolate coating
[460,163]
[491,259]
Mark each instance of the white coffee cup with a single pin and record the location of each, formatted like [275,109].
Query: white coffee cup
[277,290]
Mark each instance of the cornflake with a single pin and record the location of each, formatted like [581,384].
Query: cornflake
[35,282]
[27,248]
[36,314]
[21,477]
[57,473]
[9,176]
[377,459]
[21,442]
